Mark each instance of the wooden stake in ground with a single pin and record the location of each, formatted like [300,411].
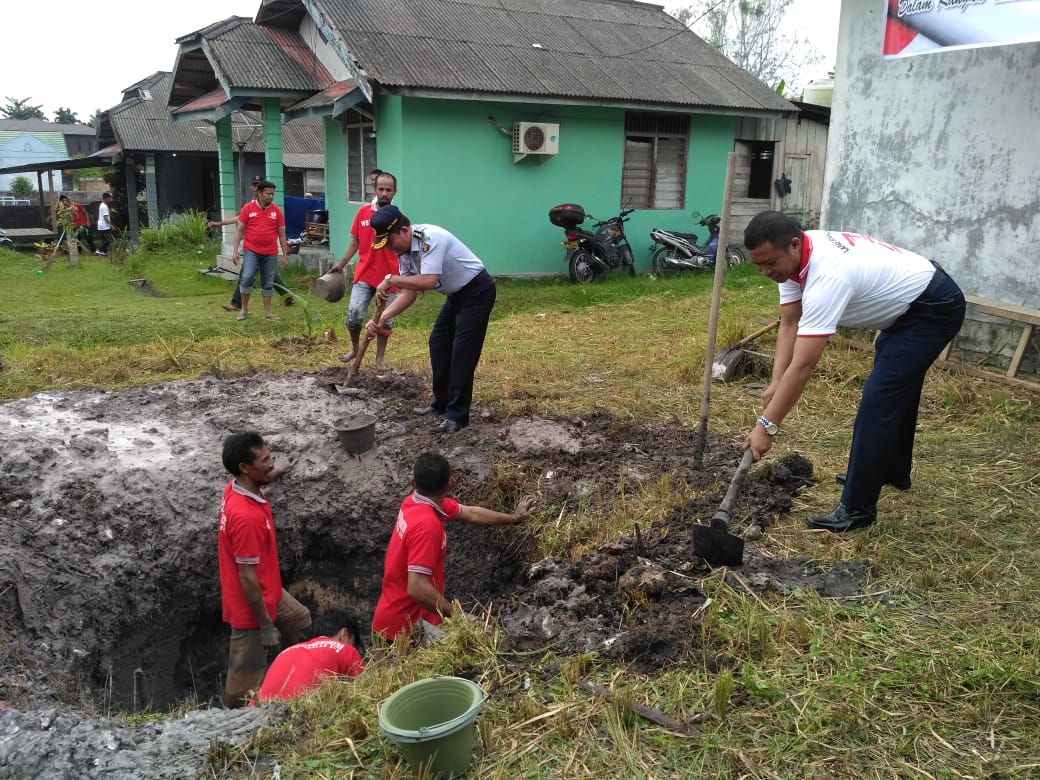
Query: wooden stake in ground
[716,299]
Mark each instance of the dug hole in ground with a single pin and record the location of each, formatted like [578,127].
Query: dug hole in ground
[109,589]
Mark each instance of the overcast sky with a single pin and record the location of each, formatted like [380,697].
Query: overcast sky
[81,54]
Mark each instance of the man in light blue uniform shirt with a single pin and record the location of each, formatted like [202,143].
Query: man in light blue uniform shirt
[431,258]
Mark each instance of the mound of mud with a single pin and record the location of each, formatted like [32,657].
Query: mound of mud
[109,593]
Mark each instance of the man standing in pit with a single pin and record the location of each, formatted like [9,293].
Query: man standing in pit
[372,267]
[413,573]
[431,258]
[254,603]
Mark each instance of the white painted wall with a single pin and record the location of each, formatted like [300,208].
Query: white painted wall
[939,153]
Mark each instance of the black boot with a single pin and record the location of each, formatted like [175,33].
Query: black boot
[842,518]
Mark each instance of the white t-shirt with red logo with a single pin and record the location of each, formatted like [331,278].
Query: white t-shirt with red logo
[853,280]
[418,543]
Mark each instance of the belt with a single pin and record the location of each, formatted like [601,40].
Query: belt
[480,277]
[937,279]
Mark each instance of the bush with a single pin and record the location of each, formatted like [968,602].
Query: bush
[189,232]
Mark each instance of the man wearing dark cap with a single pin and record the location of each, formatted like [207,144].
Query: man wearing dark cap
[431,258]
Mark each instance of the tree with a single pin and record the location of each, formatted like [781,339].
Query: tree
[19,109]
[66,116]
[748,33]
[21,187]
[95,120]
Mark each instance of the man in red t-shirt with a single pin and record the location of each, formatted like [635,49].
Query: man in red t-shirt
[254,603]
[413,573]
[302,666]
[372,267]
[262,225]
[81,223]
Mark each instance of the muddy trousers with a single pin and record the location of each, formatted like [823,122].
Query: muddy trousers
[456,341]
[883,435]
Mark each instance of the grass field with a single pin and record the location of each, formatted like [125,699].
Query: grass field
[934,673]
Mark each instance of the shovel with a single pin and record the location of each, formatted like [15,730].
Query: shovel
[356,365]
[714,543]
[728,360]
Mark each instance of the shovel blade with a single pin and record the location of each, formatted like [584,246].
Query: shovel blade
[717,546]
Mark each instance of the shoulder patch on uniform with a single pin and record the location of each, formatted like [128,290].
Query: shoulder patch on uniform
[425,247]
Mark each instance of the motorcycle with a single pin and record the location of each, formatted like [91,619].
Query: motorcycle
[674,251]
[593,252]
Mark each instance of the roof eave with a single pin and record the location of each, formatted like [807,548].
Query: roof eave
[565,100]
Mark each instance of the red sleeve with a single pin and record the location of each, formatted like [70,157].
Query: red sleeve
[244,538]
[451,508]
[355,226]
[424,545]
[281,218]
[242,213]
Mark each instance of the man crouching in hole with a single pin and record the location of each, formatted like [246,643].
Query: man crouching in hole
[255,605]
[413,573]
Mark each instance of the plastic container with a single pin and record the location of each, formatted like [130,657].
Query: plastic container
[432,723]
[356,434]
[567,215]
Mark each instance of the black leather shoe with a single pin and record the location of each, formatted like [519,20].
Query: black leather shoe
[448,426]
[904,486]
[425,410]
[843,519]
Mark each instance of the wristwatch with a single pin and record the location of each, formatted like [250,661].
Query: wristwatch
[771,428]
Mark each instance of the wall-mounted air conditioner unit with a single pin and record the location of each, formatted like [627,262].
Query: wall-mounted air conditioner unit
[535,138]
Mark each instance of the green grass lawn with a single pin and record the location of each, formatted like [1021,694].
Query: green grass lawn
[940,679]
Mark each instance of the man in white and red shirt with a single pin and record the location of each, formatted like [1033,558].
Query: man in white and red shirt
[262,226]
[413,573]
[301,667]
[254,603]
[372,267]
[830,278]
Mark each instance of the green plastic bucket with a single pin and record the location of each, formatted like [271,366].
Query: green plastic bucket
[432,723]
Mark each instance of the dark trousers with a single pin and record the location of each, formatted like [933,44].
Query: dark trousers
[456,341]
[278,284]
[883,435]
[104,240]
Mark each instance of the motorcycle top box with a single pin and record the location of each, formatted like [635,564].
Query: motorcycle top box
[567,215]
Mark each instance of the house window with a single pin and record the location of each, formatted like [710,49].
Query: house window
[361,156]
[654,171]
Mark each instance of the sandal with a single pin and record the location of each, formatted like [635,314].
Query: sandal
[242,315]
[274,317]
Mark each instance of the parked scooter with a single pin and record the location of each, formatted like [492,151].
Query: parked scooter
[593,252]
[5,240]
[674,252]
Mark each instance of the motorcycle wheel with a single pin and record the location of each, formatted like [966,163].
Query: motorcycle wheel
[582,268]
[628,260]
[660,263]
[735,256]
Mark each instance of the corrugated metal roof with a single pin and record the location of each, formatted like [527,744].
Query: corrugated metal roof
[608,50]
[43,126]
[145,126]
[326,97]
[250,57]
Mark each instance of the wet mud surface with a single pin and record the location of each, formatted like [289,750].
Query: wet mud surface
[109,592]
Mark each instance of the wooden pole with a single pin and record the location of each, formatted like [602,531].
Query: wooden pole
[716,300]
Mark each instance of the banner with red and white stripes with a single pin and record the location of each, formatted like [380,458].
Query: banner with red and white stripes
[923,26]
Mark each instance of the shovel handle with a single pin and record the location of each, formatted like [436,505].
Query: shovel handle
[760,332]
[738,481]
[364,344]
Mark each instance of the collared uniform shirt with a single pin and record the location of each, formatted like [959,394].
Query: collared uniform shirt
[436,251]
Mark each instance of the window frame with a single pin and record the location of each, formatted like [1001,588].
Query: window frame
[664,166]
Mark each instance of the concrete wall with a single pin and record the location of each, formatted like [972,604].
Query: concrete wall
[938,153]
